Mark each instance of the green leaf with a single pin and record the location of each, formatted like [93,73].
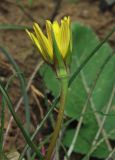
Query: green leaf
[13,27]
[84,41]
[110,122]
[84,141]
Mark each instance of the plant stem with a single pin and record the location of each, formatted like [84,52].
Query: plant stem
[64,86]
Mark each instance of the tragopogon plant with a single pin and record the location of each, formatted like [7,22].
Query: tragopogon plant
[55,49]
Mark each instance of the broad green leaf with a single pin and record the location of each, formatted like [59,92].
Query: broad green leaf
[84,141]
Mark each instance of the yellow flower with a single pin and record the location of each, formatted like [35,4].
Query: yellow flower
[62,34]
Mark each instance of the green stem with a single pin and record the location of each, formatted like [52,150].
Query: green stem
[64,86]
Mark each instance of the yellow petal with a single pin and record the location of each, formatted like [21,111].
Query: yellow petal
[56,29]
[65,36]
[29,33]
[49,32]
[63,44]
[62,35]
[43,41]
[35,41]
[45,44]
[49,35]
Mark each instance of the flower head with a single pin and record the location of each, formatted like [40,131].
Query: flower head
[61,34]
